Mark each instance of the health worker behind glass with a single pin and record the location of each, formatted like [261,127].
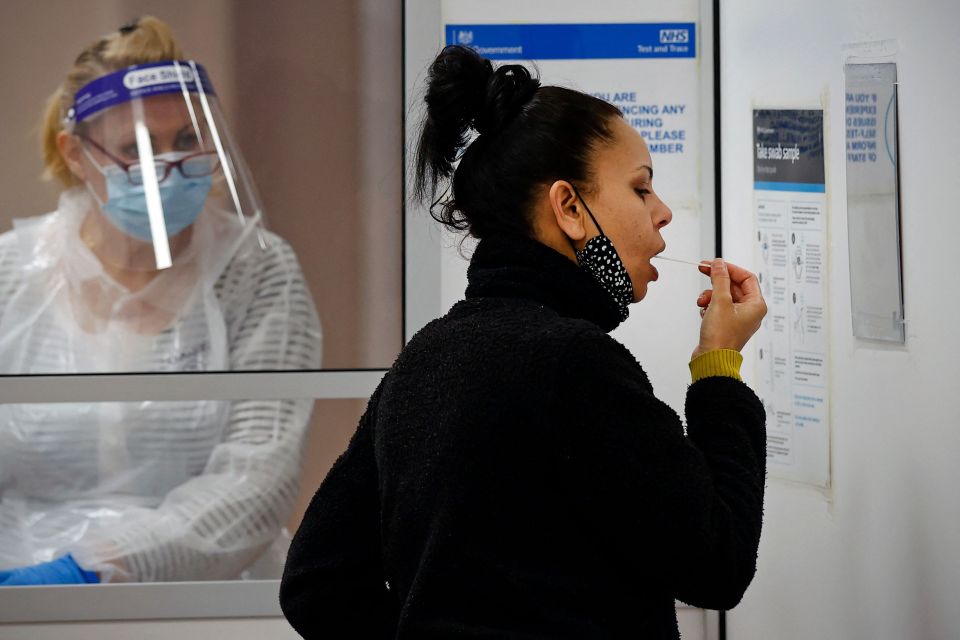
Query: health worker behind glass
[514,474]
[155,260]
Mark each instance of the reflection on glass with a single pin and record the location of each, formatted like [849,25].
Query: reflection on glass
[873,202]
[156,258]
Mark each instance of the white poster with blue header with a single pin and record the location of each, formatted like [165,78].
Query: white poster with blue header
[790,254]
[643,59]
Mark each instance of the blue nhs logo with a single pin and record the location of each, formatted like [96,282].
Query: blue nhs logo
[674,36]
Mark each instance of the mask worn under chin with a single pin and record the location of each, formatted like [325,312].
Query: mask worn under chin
[601,260]
[126,206]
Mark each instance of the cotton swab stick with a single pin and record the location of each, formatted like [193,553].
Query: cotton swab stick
[696,264]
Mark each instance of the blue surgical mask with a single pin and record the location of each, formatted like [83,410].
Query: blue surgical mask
[126,206]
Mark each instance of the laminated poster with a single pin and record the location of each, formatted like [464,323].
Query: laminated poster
[790,255]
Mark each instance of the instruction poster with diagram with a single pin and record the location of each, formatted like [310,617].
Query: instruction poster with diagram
[640,57]
[790,255]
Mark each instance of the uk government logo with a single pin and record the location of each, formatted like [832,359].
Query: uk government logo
[465,37]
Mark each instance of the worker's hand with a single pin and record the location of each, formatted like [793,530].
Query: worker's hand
[732,310]
[63,570]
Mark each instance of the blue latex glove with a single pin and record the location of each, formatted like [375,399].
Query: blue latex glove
[64,570]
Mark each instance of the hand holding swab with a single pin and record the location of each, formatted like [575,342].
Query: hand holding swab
[732,309]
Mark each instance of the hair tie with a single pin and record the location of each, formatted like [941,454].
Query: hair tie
[509,89]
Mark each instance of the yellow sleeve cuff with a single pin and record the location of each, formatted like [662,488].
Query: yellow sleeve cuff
[719,362]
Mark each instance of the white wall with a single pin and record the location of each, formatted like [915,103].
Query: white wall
[876,556]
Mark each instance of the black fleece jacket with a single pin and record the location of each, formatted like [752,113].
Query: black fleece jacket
[515,477]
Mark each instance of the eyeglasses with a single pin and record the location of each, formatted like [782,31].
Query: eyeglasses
[195,165]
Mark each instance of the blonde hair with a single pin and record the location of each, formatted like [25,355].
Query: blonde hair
[145,40]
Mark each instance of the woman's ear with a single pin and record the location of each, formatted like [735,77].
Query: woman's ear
[69,147]
[567,210]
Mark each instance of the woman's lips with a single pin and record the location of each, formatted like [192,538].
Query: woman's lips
[656,274]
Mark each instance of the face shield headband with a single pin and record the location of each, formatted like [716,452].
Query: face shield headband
[601,260]
[139,81]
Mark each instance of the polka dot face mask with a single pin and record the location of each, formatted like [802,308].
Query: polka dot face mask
[601,260]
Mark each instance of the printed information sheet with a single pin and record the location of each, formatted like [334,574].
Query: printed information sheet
[641,59]
[790,253]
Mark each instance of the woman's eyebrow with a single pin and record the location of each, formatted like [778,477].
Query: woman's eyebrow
[648,168]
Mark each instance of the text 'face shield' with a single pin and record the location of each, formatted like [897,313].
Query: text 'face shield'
[158,158]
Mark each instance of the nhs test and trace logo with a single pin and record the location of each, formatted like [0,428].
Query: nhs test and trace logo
[674,36]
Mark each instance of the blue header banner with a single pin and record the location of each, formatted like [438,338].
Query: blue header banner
[804,187]
[139,81]
[577,41]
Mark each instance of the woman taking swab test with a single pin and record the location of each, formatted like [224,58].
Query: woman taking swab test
[514,475]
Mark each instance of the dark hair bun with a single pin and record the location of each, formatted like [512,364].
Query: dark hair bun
[464,92]
[508,89]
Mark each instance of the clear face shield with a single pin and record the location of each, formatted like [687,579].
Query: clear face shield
[159,162]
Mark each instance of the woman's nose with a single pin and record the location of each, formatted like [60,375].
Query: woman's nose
[663,216]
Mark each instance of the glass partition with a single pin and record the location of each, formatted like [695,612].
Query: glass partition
[313,97]
[105,466]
